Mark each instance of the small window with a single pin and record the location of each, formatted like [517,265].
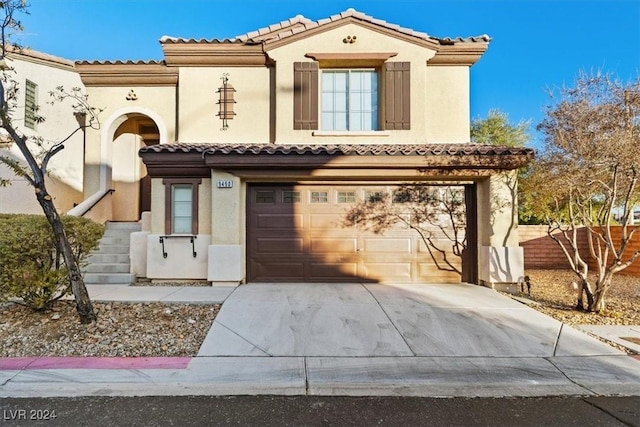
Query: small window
[401,196]
[30,104]
[373,196]
[427,196]
[319,197]
[346,196]
[181,205]
[182,208]
[265,196]
[290,196]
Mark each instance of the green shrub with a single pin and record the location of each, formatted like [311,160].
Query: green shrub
[31,267]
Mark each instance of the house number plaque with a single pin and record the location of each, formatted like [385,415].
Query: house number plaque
[225,183]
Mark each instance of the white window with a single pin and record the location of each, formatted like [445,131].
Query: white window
[30,104]
[182,209]
[349,100]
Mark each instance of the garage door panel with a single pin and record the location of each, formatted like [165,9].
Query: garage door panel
[384,245]
[280,246]
[279,270]
[445,244]
[326,270]
[346,245]
[388,270]
[323,221]
[272,221]
[429,272]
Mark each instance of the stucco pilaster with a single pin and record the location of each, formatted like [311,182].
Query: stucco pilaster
[226,252]
[498,201]
[500,259]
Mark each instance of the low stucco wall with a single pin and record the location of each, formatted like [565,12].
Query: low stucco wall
[180,262]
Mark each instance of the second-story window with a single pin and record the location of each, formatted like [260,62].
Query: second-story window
[30,104]
[352,99]
[349,100]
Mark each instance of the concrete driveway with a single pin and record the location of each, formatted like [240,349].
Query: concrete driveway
[375,320]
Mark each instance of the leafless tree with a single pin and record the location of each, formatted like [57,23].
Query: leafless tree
[586,178]
[436,213]
[37,152]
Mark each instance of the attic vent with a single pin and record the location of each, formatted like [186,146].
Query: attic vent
[226,102]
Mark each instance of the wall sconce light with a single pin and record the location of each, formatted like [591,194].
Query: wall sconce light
[226,101]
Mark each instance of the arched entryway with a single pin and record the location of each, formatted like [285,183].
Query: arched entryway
[129,176]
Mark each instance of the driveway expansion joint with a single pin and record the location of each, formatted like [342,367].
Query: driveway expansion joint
[591,392]
[390,320]
[244,339]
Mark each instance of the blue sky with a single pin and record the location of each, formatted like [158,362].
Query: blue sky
[536,45]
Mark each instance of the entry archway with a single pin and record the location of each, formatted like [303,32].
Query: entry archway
[129,177]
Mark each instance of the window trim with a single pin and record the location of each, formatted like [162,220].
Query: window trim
[168,202]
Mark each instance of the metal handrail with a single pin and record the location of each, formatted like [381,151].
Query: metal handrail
[89,203]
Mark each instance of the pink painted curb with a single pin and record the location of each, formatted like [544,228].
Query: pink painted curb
[31,363]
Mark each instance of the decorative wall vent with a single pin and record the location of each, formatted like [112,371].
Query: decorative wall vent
[349,40]
[226,102]
[131,96]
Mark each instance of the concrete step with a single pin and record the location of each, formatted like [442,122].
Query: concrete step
[115,240]
[107,268]
[109,264]
[109,279]
[129,226]
[117,233]
[101,258]
[112,249]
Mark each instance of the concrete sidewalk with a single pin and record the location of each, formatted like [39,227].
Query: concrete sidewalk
[353,339]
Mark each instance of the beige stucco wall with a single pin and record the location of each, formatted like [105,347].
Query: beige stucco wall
[198,105]
[66,179]
[156,102]
[228,210]
[447,105]
[497,216]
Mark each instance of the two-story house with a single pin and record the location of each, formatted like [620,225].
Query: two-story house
[247,152]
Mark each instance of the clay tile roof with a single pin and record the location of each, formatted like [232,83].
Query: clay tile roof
[120,62]
[30,53]
[465,149]
[170,39]
[299,23]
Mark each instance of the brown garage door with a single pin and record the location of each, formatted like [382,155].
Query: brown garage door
[296,233]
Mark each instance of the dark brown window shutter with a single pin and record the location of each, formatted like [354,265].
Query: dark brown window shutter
[305,95]
[397,95]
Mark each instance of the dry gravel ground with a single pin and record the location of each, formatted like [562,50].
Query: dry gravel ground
[122,329]
[557,298]
[155,329]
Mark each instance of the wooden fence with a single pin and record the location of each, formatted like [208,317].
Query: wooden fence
[542,252]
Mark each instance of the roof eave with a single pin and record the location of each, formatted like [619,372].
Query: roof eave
[126,73]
